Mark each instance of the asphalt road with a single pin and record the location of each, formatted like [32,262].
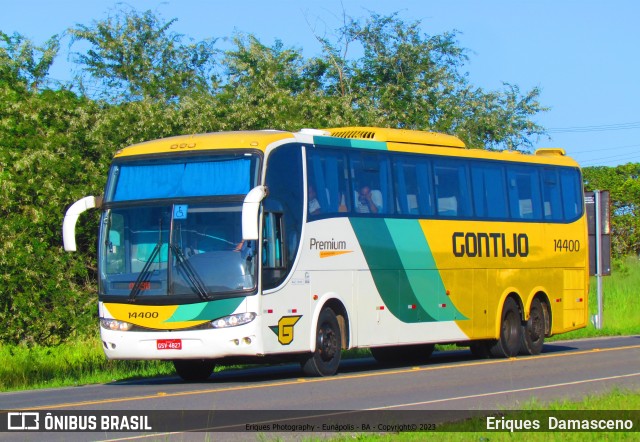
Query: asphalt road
[451,381]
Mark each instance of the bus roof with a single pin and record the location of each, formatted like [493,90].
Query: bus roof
[398,136]
[258,139]
[402,140]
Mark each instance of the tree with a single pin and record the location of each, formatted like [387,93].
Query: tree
[23,63]
[623,183]
[135,55]
[274,87]
[406,79]
[44,295]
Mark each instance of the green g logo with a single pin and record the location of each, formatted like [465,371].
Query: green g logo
[284,329]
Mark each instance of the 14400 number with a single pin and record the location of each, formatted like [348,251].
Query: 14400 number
[566,245]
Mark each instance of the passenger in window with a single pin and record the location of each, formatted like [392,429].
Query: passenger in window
[314,204]
[369,201]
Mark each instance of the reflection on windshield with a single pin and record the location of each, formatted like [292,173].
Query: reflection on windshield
[191,251]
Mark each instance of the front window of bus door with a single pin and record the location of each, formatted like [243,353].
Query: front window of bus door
[284,211]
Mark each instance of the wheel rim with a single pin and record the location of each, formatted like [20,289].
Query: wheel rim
[327,342]
[536,328]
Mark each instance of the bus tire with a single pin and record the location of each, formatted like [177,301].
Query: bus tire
[534,329]
[194,370]
[401,354]
[508,344]
[324,361]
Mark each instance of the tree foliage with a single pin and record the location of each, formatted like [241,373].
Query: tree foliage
[411,80]
[44,161]
[22,63]
[55,145]
[138,56]
[623,183]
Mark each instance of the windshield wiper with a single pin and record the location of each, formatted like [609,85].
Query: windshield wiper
[146,271]
[191,275]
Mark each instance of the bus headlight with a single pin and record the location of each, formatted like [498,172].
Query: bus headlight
[233,320]
[114,324]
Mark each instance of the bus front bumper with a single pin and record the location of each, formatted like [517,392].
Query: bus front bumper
[182,344]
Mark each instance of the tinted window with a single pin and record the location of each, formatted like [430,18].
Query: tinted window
[551,195]
[371,182]
[284,181]
[409,185]
[413,185]
[572,200]
[524,193]
[451,189]
[214,175]
[489,190]
[326,182]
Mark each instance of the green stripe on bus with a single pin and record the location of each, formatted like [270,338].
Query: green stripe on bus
[206,310]
[420,267]
[349,142]
[387,270]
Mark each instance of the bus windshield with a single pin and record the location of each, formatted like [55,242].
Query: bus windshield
[193,252]
[171,231]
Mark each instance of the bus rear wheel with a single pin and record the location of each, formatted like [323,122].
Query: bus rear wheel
[413,354]
[324,361]
[508,345]
[534,329]
[194,370]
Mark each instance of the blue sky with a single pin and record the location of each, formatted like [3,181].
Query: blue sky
[584,55]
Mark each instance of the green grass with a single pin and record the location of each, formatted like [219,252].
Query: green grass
[82,361]
[75,363]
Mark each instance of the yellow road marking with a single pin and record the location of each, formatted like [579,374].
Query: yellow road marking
[328,379]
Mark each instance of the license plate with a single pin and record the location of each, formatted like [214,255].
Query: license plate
[169,344]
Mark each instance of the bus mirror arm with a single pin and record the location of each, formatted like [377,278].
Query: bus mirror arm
[250,208]
[71,218]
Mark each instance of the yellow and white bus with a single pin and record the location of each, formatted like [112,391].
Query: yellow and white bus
[275,246]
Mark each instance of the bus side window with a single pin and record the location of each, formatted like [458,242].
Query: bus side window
[272,248]
[489,196]
[327,176]
[452,189]
[524,193]
[371,170]
[284,210]
[551,195]
[412,183]
[571,193]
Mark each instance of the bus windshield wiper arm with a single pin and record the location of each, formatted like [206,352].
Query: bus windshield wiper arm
[146,270]
[191,275]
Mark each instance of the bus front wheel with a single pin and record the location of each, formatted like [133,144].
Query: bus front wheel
[194,370]
[324,361]
[508,344]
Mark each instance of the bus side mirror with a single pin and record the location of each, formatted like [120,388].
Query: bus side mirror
[71,218]
[250,208]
